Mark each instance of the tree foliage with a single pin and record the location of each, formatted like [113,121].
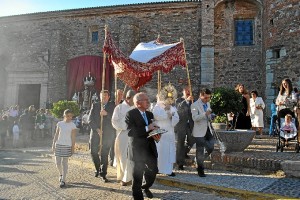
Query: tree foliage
[225,100]
[60,106]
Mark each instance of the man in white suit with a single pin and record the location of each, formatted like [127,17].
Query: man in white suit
[202,132]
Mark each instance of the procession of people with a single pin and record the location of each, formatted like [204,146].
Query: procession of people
[127,127]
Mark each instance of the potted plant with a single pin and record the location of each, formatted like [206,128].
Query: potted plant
[223,102]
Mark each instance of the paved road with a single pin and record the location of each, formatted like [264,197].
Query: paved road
[28,175]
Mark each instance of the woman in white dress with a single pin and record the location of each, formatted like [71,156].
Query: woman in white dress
[257,116]
[166,117]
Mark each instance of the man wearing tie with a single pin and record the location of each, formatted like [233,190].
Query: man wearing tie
[202,131]
[142,150]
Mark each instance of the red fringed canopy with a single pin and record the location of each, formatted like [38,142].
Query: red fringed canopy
[136,74]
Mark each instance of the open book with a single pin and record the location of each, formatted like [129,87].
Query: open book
[157,131]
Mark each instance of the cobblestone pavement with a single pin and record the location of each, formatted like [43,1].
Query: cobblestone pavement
[263,148]
[83,185]
[31,174]
[264,184]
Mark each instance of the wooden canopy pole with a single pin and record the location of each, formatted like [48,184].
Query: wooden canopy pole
[158,41]
[158,81]
[102,93]
[116,87]
[187,69]
[125,91]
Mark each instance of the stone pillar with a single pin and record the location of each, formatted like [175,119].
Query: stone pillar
[271,85]
[11,94]
[43,95]
[207,43]
[207,66]
[3,85]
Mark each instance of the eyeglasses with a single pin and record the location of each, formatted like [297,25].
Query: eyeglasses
[147,100]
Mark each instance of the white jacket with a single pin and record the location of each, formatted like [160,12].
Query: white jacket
[201,121]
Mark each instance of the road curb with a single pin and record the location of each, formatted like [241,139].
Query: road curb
[221,191]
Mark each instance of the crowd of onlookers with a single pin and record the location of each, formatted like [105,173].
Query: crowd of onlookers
[21,127]
[252,114]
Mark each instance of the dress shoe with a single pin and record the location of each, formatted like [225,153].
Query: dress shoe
[125,183]
[180,167]
[104,179]
[148,193]
[201,173]
[172,174]
[96,173]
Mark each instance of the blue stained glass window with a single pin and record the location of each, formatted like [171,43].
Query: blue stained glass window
[95,36]
[243,32]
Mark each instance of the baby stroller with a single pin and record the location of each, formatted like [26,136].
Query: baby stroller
[286,134]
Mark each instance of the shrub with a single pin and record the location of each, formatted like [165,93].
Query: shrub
[220,119]
[60,106]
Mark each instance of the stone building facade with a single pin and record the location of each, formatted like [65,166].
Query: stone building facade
[35,47]
[281,44]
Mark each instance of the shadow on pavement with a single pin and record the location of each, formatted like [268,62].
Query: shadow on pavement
[10,182]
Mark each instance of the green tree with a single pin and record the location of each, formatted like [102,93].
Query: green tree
[223,101]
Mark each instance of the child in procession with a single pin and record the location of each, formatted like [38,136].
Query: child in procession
[64,144]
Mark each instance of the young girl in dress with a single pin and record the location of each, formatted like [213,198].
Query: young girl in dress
[63,144]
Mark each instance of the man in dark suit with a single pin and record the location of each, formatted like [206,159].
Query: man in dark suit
[183,129]
[142,150]
[108,134]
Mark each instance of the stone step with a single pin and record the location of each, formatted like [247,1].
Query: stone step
[260,158]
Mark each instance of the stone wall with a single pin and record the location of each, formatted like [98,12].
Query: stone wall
[281,44]
[41,44]
[50,39]
[238,64]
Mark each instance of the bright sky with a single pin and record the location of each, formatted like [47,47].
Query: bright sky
[16,7]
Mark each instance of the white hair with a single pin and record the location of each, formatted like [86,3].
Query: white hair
[137,97]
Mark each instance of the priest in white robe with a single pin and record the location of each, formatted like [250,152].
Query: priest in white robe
[123,165]
[166,117]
